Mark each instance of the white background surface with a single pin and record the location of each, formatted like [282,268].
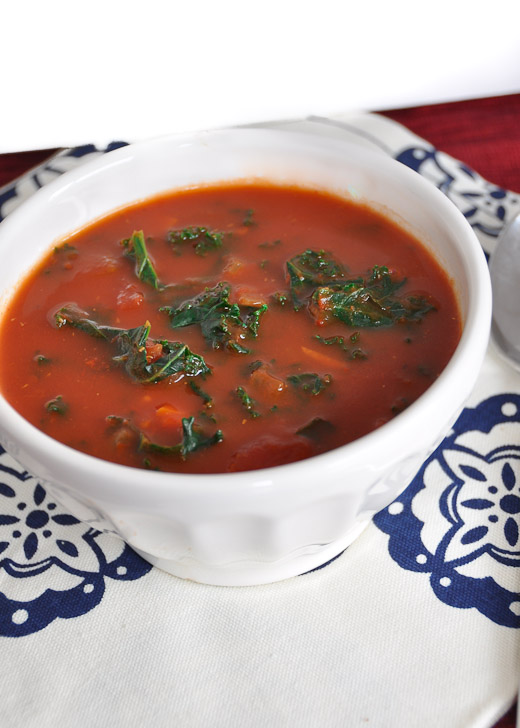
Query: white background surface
[94,71]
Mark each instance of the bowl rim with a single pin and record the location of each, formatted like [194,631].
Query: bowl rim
[122,478]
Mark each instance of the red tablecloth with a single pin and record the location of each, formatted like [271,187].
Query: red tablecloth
[484,133]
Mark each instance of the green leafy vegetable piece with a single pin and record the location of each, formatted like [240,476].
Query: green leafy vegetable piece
[248,218]
[66,248]
[358,354]
[331,340]
[41,359]
[339,341]
[57,405]
[254,365]
[252,318]
[148,465]
[169,357]
[315,275]
[193,438]
[222,323]
[270,244]
[146,360]
[425,371]
[237,347]
[280,298]
[71,315]
[373,302]
[202,239]
[309,382]
[247,402]
[206,398]
[135,249]
[311,269]
[212,311]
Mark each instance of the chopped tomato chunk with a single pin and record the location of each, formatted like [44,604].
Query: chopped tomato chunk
[153,351]
[268,451]
[232,266]
[249,297]
[130,297]
[270,385]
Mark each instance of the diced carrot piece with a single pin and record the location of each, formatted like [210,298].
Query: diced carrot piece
[327,361]
[168,416]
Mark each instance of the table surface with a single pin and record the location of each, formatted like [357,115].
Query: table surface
[483,133]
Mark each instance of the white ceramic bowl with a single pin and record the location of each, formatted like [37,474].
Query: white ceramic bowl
[265,525]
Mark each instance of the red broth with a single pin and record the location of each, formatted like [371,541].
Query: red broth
[306,383]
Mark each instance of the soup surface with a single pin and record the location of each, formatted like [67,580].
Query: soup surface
[226,328]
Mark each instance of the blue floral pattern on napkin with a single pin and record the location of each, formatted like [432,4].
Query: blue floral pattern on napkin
[485,206]
[63,562]
[459,518]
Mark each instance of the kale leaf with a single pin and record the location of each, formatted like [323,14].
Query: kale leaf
[339,341]
[310,382]
[193,438]
[251,318]
[202,239]
[270,244]
[151,360]
[248,220]
[146,360]
[206,398]
[135,249]
[372,302]
[41,359]
[280,298]
[71,315]
[311,269]
[57,405]
[247,402]
[222,323]
[316,277]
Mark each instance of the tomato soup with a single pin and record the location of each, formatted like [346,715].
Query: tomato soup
[226,328]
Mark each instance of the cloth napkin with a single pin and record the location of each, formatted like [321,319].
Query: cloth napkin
[415,624]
